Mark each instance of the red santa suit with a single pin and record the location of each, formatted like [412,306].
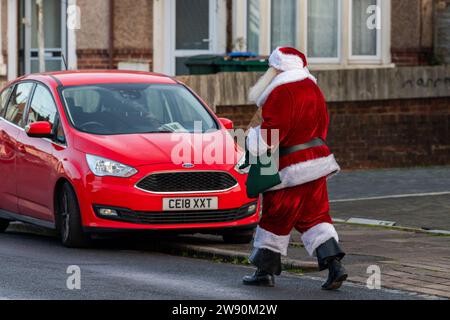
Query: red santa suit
[294,105]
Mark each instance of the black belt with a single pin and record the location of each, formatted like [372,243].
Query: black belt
[316,142]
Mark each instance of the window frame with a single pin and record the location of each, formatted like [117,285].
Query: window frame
[324,60]
[345,58]
[27,107]
[364,58]
[27,115]
[25,110]
[297,24]
[69,118]
[57,115]
[6,102]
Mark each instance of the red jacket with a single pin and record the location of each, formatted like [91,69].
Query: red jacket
[298,110]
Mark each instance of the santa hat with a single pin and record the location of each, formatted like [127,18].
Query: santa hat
[287,58]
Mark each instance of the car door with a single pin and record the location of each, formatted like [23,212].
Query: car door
[36,164]
[11,122]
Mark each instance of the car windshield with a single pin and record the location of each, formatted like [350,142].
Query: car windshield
[110,109]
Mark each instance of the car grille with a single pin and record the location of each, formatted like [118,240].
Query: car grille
[185,217]
[179,182]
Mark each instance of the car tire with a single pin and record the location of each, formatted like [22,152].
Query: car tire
[4,224]
[238,237]
[69,216]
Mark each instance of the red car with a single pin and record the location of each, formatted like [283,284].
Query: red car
[91,152]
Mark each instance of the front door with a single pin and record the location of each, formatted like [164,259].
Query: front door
[195,32]
[55,35]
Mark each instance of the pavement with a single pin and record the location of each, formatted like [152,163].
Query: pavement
[416,197]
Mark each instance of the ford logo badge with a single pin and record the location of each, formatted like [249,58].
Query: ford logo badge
[188,165]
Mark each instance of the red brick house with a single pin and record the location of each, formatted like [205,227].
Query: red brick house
[160,34]
[375,59]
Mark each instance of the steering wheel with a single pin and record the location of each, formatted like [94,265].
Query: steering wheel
[92,123]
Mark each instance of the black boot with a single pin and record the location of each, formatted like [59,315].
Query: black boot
[329,256]
[268,264]
[260,278]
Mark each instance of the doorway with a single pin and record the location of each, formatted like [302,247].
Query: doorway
[55,35]
[195,26]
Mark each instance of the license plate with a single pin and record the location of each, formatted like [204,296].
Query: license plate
[186,204]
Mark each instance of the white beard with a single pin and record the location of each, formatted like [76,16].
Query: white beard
[257,90]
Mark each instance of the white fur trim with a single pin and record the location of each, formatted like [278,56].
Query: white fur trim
[285,62]
[304,172]
[284,78]
[318,235]
[255,142]
[268,240]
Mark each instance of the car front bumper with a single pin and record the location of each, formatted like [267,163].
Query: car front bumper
[140,210]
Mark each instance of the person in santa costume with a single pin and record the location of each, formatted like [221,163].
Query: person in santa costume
[293,104]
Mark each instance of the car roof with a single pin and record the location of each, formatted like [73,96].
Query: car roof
[87,77]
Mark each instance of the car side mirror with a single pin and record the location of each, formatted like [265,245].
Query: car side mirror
[227,123]
[40,129]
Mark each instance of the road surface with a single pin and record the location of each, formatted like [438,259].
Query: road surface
[34,267]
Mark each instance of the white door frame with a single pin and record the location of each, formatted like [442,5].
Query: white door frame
[28,50]
[12,39]
[69,45]
[164,28]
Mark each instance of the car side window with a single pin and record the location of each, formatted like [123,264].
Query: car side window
[3,97]
[42,107]
[18,102]
[60,136]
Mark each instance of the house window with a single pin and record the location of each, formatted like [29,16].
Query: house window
[253,25]
[340,32]
[365,34]
[283,23]
[323,29]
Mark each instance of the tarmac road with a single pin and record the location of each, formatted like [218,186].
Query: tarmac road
[34,267]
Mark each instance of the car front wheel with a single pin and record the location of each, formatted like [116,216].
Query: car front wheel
[70,227]
[238,237]
[4,224]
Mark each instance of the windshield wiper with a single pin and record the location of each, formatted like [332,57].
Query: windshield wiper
[158,131]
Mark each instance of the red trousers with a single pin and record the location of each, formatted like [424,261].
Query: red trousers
[301,207]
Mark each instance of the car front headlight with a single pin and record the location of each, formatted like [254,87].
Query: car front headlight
[104,167]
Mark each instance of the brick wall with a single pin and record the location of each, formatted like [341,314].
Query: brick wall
[241,115]
[380,134]
[412,34]
[412,57]
[99,59]
[132,34]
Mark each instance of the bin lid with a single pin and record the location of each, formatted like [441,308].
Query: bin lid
[238,54]
[204,59]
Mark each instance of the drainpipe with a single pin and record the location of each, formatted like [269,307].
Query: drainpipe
[111,34]
[2,61]
[229,35]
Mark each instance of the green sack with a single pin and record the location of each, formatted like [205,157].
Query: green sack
[262,176]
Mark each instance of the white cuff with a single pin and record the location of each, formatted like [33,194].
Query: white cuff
[268,240]
[318,235]
[255,142]
[307,171]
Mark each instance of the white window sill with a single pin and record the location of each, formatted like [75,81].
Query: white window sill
[353,65]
